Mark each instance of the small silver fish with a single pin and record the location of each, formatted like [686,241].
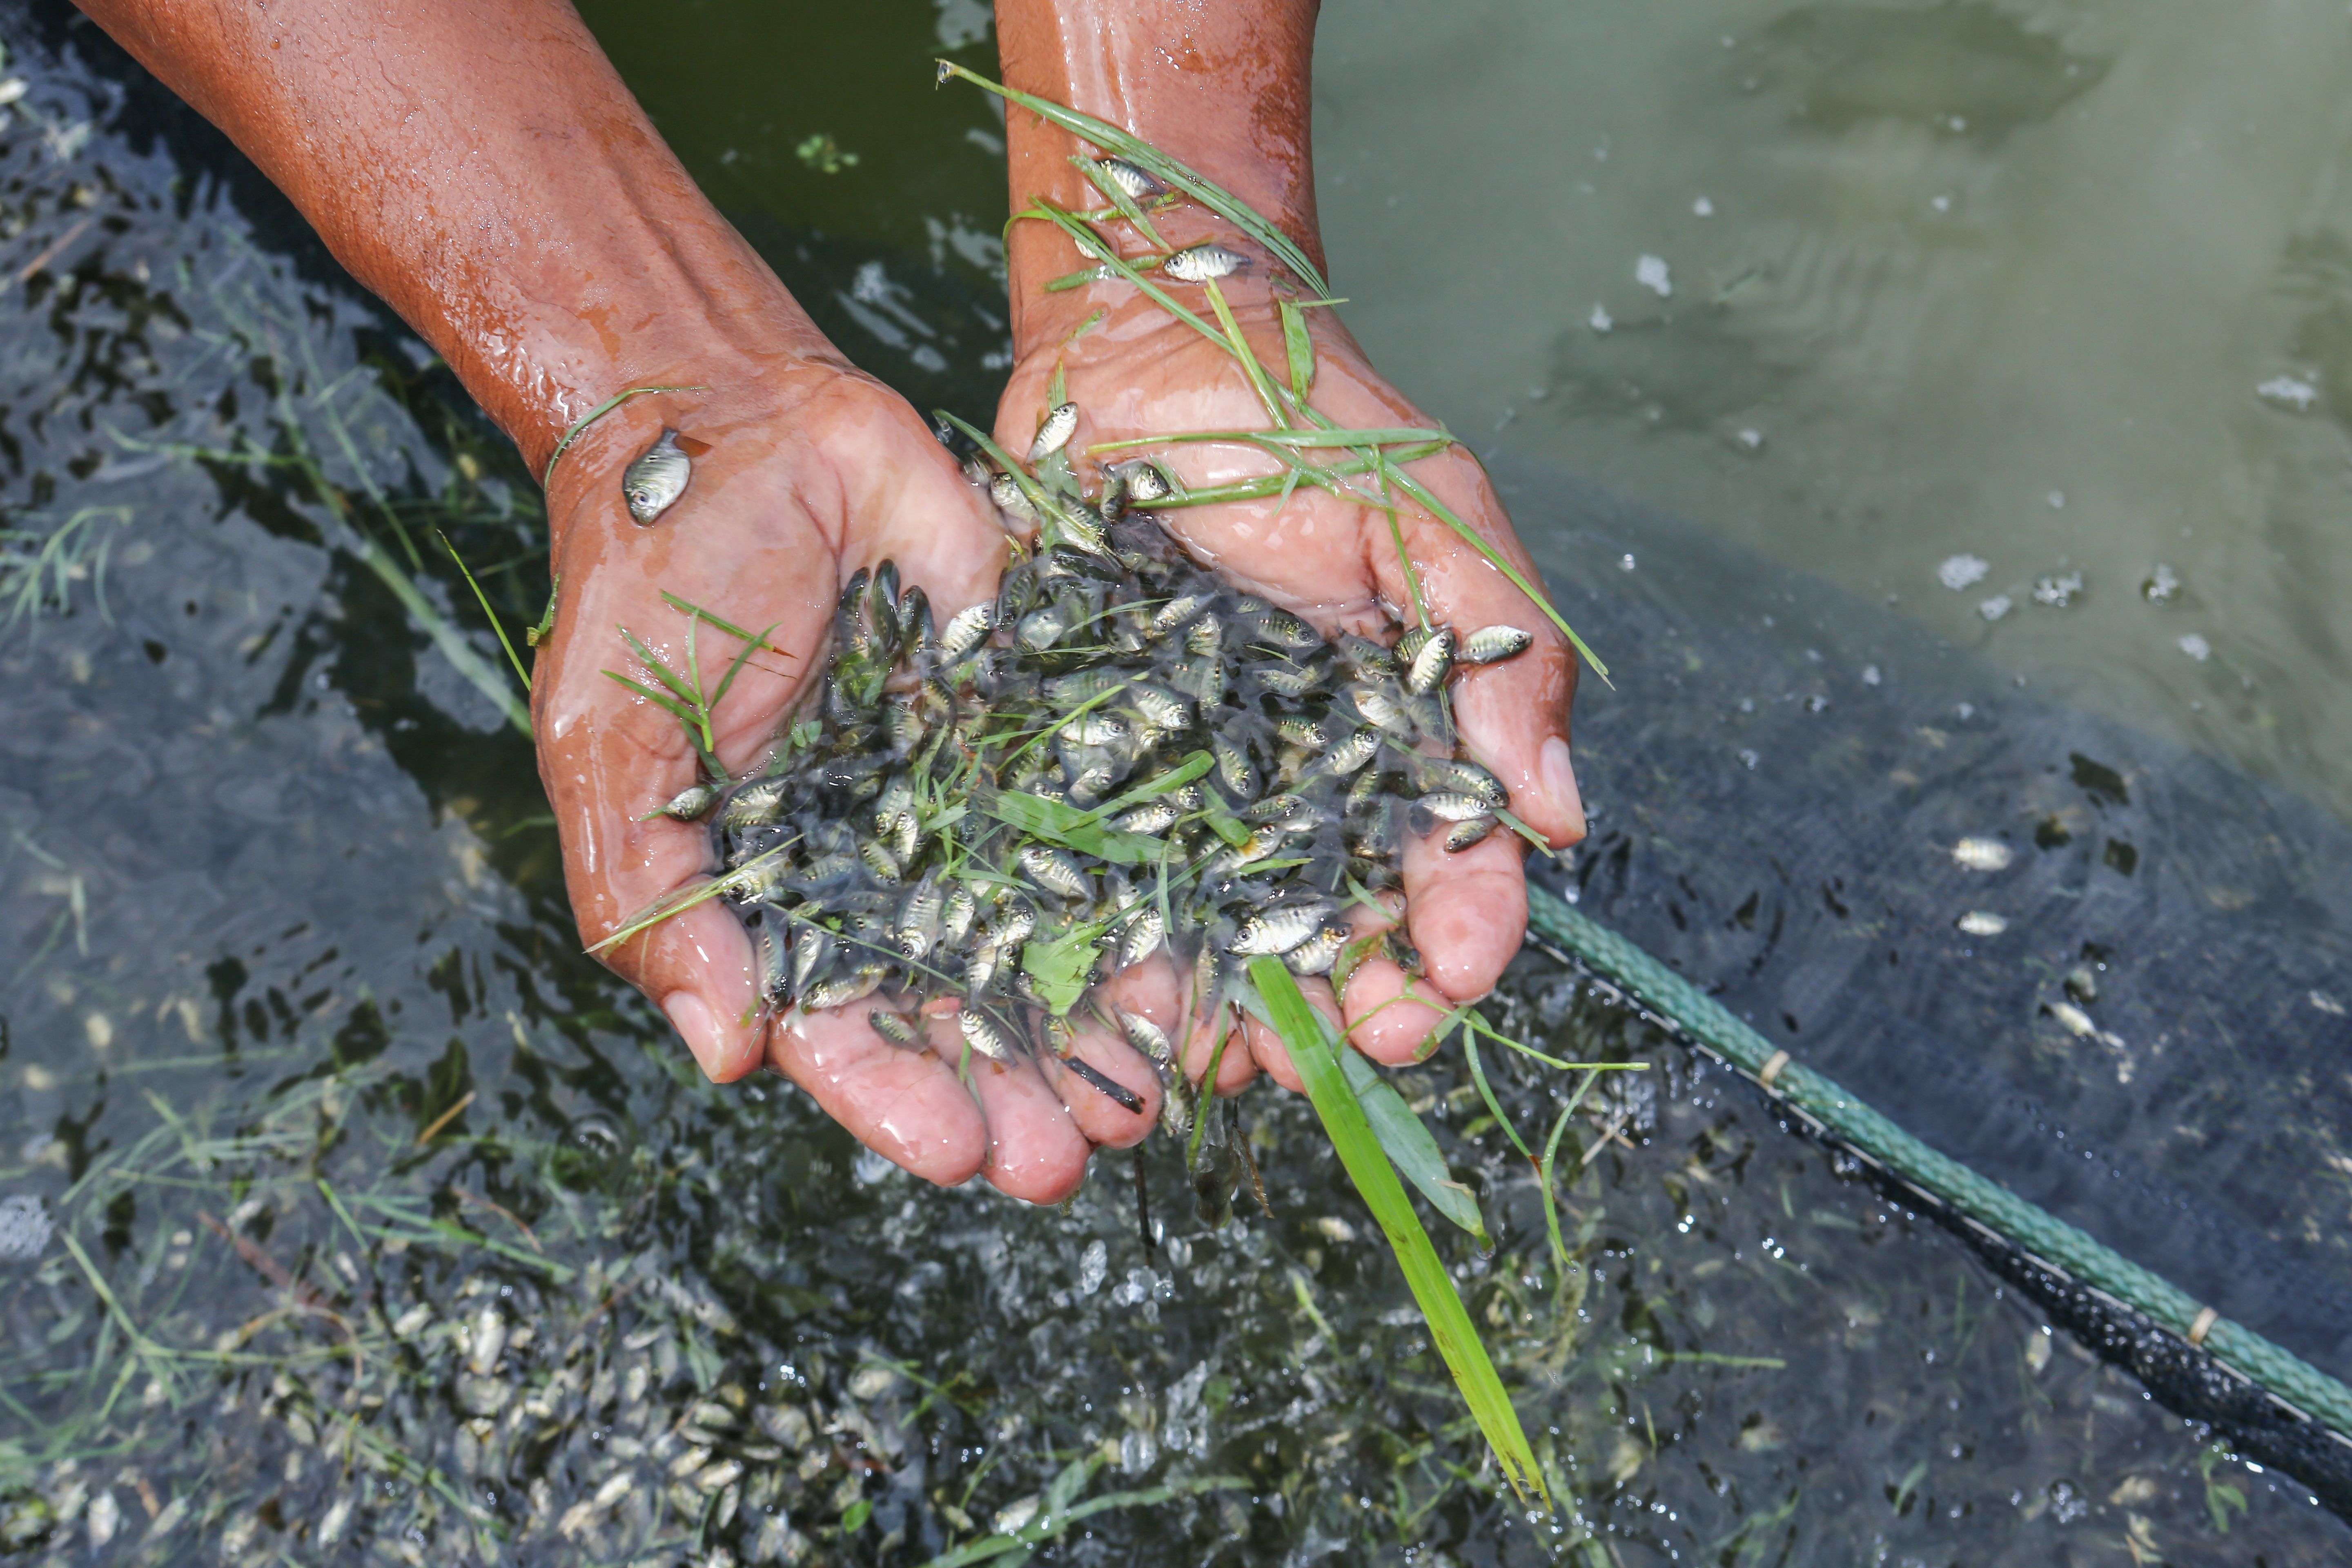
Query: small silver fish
[1147,1037]
[1143,483]
[1275,808]
[919,918]
[775,962]
[982,1034]
[652,484]
[1019,925]
[826,994]
[897,1029]
[1006,492]
[967,629]
[957,914]
[1042,628]
[1286,630]
[1234,770]
[1367,657]
[1409,643]
[1053,432]
[754,805]
[1318,952]
[1136,183]
[1203,263]
[1176,612]
[1154,817]
[1205,637]
[1352,752]
[1448,805]
[1379,708]
[1432,662]
[879,860]
[1288,679]
[1304,733]
[1144,933]
[1469,778]
[1094,728]
[1492,645]
[812,949]
[1465,834]
[689,802]
[1277,931]
[1162,709]
[1053,870]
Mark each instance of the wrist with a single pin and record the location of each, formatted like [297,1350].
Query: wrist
[1223,90]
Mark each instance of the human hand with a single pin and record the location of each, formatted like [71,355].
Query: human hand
[813,471]
[1137,371]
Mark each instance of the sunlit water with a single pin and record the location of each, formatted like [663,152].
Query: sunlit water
[353,1216]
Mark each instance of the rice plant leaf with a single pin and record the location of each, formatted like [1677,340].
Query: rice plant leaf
[1322,436]
[1298,347]
[670,705]
[1196,765]
[1110,139]
[1078,280]
[1410,1145]
[1313,1053]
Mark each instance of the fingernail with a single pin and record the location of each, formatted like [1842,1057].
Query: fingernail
[692,1016]
[1560,784]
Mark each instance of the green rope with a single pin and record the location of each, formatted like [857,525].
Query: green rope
[2287,1378]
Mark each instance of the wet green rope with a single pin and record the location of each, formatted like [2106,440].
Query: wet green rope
[2286,1377]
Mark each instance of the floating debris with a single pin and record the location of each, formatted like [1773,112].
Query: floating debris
[1982,922]
[1959,573]
[1982,855]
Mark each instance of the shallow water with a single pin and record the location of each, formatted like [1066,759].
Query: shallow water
[496,1277]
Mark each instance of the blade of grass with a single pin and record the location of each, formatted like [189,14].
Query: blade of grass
[489,613]
[1313,1053]
[1410,1147]
[1110,139]
[1245,356]
[687,608]
[580,425]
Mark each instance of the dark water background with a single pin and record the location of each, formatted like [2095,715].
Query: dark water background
[375,1223]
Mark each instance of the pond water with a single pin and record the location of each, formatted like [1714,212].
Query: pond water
[347,1213]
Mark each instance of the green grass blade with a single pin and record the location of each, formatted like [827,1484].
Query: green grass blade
[1127,205]
[688,607]
[1110,139]
[1409,1146]
[1322,437]
[1246,357]
[491,616]
[750,647]
[658,667]
[1312,1052]
[593,414]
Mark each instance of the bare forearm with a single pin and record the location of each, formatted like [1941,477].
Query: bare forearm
[480,164]
[1223,88]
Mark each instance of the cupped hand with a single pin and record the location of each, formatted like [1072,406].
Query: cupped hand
[808,472]
[1139,371]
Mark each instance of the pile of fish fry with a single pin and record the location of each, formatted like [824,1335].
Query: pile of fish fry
[1120,757]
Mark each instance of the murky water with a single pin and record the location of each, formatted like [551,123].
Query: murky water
[370,1222]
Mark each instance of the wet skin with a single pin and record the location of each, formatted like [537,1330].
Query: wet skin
[480,165]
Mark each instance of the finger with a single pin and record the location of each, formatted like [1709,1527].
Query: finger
[905,1106]
[1035,1153]
[1513,715]
[1097,1113]
[918,511]
[1267,1047]
[1155,989]
[1466,912]
[1392,1014]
